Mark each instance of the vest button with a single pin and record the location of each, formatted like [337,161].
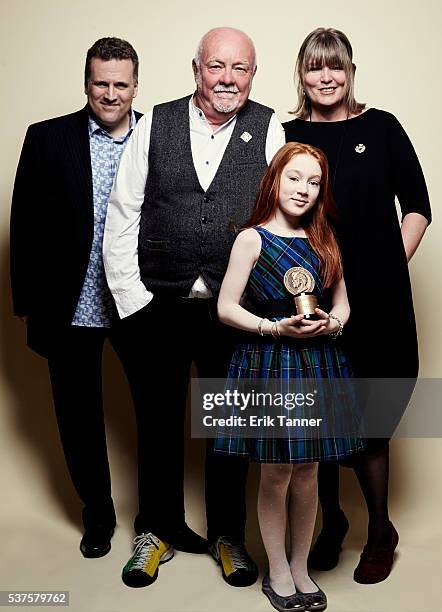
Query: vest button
[203,219]
[205,199]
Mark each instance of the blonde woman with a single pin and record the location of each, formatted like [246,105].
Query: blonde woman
[371,162]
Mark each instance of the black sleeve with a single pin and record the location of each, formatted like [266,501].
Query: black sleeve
[409,181]
[22,236]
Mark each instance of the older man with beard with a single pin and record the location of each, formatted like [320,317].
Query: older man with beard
[187,181]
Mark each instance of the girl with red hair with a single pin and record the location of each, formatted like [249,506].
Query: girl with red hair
[290,228]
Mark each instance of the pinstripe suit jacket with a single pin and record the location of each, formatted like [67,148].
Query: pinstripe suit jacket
[52,224]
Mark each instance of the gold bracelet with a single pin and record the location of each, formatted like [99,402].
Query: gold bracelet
[273,330]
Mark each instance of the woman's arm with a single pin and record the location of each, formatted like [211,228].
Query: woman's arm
[413,228]
[409,185]
[243,257]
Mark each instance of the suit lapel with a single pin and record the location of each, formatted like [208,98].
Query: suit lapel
[79,155]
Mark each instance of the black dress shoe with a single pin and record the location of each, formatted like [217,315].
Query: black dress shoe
[96,541]
[186,540]
[325,553]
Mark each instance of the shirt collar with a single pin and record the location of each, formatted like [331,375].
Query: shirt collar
[95,127]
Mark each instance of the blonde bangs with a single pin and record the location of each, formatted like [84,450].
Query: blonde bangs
[326,52]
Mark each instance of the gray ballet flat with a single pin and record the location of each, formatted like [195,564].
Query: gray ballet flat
[314,602]
[290,603]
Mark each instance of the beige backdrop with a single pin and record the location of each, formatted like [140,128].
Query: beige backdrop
[43,44]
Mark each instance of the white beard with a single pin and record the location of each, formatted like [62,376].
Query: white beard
[225,107]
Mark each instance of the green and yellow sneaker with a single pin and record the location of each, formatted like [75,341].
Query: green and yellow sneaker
[237,567]
[142,568]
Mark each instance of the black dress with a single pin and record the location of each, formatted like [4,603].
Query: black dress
[371,161]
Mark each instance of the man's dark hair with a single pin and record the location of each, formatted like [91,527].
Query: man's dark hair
[110,48]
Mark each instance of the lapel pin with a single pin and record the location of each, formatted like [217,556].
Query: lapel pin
[360,148]
[246,136]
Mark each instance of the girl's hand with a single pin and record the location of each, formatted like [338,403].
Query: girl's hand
[330,325]
[298,327]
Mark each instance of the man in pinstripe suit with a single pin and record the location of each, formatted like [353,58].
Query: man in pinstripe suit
[62,186]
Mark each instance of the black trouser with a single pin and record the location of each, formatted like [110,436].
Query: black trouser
[170,334]
[75,367]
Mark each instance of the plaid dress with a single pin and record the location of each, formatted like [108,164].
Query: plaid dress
[285,358]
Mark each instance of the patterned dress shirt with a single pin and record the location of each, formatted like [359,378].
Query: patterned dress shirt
[95,306]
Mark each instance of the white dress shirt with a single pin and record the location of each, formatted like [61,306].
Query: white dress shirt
[120,246]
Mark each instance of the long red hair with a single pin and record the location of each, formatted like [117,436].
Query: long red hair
[317,222]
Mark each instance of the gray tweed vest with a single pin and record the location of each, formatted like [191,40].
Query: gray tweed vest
[186,231]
